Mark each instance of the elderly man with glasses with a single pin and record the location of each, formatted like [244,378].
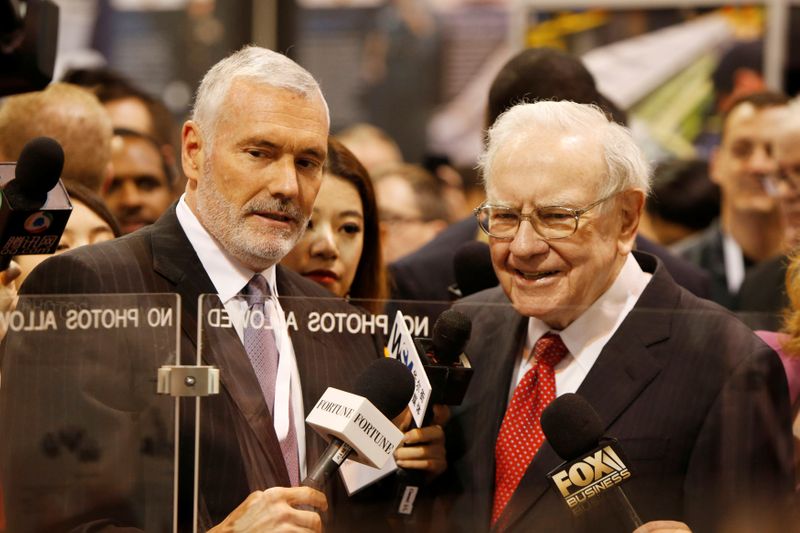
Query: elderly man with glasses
[698,404]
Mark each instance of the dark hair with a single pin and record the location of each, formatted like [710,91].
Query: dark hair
[759,100]
[742,55]
[94,202]
[109,85]
[684,194]
[370,281]
[545,74]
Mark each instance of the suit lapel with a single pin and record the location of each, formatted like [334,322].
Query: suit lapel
[622,371]
[498,337]
[175,259]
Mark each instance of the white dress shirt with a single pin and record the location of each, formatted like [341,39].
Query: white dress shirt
[230,277]
[586,335]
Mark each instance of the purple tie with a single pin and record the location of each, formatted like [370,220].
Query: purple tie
[259,343]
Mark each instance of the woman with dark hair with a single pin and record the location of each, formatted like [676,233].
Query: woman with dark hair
[340,248]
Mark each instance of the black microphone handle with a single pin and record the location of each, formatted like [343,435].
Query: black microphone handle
[328,463]
[624,509]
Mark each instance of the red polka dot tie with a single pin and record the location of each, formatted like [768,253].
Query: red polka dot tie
[521,431]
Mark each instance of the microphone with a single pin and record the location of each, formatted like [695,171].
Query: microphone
[447,367]
[449,372]
[359,425]
[472,265]
[35,208]
[594,467]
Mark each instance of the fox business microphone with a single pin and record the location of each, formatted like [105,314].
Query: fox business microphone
[359,425]
[35,206]
[595,466]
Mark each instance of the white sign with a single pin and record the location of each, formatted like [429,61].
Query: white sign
[354,420]
[401,347]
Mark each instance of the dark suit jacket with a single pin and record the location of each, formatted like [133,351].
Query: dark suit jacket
[698,403]
[239,451]
[762,296]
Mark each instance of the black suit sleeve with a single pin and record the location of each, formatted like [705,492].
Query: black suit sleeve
[741,463]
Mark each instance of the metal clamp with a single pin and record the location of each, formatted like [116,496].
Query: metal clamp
[180,380]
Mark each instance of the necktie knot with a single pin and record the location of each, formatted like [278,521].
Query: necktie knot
[550,350]
[257,288]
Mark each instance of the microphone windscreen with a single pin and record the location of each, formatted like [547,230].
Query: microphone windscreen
[473,269]
[38,168]
[451,332]
[388,384]
[571,426]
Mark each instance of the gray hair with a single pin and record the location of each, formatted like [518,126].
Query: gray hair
[258,64]
[626,165]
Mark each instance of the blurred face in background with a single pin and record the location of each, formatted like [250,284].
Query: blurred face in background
[403,227]
[330,249]
[744,163]
[83,227]
[139,192]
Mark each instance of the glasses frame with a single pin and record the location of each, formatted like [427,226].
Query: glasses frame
[533,218]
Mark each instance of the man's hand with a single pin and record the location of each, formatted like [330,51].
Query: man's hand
[423,448]
[276,510]
[663,526]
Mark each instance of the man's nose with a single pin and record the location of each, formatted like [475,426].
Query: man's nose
[283,179]
[129,195]
[762,161]
[527,241]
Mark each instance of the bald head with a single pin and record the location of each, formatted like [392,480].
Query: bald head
[71,115]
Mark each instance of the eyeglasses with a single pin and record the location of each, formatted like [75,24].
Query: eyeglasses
[551,222]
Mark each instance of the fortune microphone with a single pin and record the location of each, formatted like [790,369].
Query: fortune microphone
[594,467]
[359,425]
[35,207]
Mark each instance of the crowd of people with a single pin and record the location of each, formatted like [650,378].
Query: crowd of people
[610,279]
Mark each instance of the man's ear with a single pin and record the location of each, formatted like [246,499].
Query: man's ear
[192,152]
[631,205]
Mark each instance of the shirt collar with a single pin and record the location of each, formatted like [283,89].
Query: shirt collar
[227,274]
[602,318]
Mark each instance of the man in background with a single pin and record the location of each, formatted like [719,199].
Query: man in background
[762,297]
[145,180]
[141,188]
[750,227]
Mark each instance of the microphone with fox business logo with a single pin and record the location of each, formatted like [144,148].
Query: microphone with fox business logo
[35,206]
[595,466]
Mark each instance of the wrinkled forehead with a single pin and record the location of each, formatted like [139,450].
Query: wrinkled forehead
[540,162]
[747,120]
